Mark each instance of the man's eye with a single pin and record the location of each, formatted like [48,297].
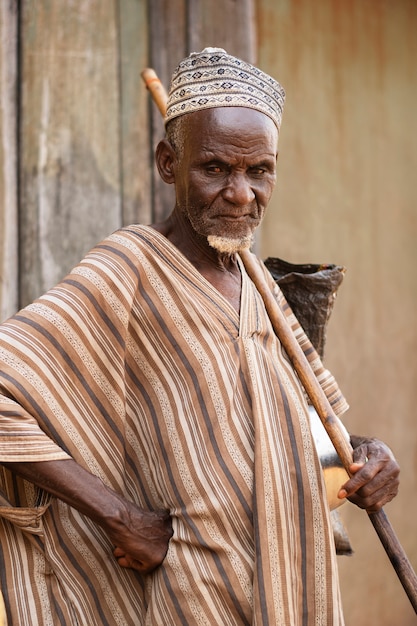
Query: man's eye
[214,169]
[258,171]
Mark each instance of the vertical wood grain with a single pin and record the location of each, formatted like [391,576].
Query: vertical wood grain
[69,147]
[167,46]
[225,24]
[8,160]
[135,130]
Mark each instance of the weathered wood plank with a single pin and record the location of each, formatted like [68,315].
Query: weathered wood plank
[135,125]
[228,24]
[8,160]
[70,152]
[168,45]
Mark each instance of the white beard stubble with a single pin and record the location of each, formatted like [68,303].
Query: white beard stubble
[229,245]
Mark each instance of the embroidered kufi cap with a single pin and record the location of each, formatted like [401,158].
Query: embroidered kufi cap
[213,78]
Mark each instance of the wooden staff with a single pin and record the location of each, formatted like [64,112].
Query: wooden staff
[312,387]
[156,88]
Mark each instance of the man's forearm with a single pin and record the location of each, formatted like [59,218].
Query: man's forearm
[141,537]
[71,483]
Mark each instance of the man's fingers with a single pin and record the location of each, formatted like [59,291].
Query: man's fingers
[376,500]
[125,560]
[362,473]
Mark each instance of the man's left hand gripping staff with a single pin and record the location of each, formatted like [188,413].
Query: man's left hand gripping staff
[375,475]
[141,537]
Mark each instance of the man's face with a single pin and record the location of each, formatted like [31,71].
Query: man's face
[226,171]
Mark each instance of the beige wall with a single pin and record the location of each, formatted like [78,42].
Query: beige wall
[347,194]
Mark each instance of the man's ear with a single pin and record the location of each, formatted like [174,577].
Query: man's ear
[164,159]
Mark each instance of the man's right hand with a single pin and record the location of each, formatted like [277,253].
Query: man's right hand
[142,541]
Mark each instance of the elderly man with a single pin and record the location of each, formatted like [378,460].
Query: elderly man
[158,466]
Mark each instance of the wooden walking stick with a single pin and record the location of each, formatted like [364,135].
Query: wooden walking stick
[156,88]
[312,387]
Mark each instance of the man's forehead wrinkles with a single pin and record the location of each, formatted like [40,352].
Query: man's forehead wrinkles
[228,153]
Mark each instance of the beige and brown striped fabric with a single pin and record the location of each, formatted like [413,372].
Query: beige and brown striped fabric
[141,371]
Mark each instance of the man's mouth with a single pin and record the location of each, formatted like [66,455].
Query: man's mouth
[239,217]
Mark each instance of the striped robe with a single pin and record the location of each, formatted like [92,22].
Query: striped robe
[136,367]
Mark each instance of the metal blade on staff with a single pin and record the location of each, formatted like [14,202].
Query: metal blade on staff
[311,385]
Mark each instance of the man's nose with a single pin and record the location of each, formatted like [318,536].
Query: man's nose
[238,190]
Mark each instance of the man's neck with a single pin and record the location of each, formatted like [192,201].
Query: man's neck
[221,269]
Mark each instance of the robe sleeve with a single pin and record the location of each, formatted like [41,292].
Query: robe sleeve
[25,380]
[62,365]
